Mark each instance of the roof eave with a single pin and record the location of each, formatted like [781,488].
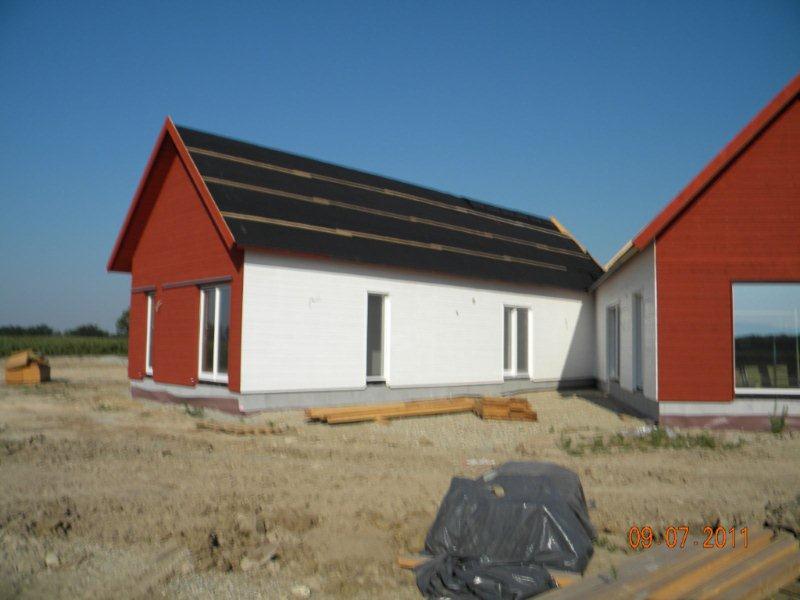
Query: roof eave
[719,164]
[623,255]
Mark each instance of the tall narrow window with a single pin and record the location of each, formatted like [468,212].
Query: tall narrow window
[612,343]
[214,332]
[515,341]
[375,337]
[638,328]
[766,338]
[508,335]
[151,317]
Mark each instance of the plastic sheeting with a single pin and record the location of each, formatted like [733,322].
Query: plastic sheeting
[494,537]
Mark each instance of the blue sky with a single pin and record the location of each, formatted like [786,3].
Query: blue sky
[596,112]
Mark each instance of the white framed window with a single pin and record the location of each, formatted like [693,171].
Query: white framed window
[638,342]
[376,337]
[516,342]
[766,338]
[151,319]
[215,309]
[612,342]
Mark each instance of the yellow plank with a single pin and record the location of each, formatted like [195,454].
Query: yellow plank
[678,586]
[761,562]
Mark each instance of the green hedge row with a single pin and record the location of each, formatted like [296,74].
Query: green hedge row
[52,345]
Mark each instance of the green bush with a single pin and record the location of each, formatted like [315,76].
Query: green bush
[54,345]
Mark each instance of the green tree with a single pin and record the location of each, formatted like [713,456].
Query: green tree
[87,330]
[123,323]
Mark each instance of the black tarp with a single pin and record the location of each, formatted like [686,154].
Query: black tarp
[494,537]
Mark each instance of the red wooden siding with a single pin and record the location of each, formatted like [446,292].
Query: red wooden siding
[744,227]
[176,240]
[137,335]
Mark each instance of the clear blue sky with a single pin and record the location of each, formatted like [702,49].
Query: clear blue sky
[596,112]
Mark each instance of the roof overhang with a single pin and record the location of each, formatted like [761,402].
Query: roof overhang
[719,164]
[704,179]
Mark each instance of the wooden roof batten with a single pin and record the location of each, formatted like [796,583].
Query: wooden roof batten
[391,215]
[379,190]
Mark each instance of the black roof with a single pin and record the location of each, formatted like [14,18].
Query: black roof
[275,200]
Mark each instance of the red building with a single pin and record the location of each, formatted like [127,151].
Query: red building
[697,316]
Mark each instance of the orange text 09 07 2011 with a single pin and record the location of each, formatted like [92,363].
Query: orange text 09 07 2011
[677,536]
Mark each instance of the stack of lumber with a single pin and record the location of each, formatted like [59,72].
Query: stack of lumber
[759,570]
[514,409]
[384,412]
[505,409]
[26,367]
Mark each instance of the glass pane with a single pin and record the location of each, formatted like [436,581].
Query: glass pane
[374,335]
[637,341]
[522,341]
[766,334]
[508,351]
[612,342]
[151,316]
[207,364]
[224,328]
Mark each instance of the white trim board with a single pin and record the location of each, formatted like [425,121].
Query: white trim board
[738,407]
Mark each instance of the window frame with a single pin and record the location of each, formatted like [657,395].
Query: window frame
[211,376]
[148,343]
[514,372]
[615,307]
[637,341]
[383,377]
[755,391]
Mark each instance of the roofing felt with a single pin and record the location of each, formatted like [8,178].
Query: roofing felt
[275,200]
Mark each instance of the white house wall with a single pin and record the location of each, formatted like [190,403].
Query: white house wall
[304,327]
[637,276]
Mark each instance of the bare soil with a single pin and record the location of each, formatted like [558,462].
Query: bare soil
[95,488]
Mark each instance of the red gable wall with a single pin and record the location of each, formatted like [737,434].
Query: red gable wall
[177,242]
[744,227]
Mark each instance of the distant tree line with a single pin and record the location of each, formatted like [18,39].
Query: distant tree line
[85,330]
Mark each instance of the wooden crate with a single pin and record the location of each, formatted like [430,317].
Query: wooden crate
[33,373]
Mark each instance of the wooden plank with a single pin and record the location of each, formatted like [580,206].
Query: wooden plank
[762,568]
[723,586]
[396,413]
[411,561]
[679,585]
[629,568]
[322,413]
[769,582]
[495,408]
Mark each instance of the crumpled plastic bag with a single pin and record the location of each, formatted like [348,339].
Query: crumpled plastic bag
[494,537]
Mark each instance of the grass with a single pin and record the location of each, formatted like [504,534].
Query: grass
[54,345]
[194,411]
[777,422]
[654,439]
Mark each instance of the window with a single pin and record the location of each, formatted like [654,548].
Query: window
[766,333]
[638,327]
[148,352]
[612,343]
[215,308]
[515,341]
[375,337]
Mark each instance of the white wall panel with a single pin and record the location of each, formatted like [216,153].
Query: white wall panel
[304,327]
[637,276]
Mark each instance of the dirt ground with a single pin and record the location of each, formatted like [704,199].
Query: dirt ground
[96,489]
